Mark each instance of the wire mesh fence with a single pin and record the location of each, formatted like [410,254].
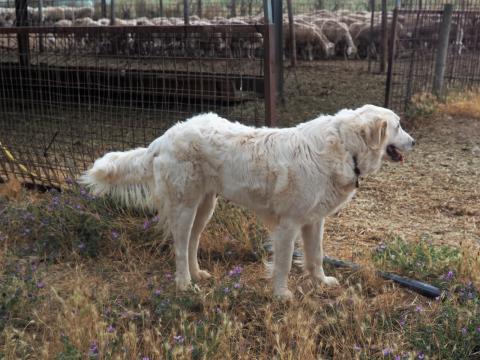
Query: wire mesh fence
[69,94]
[417,50]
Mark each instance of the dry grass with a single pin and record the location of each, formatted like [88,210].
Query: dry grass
[83,279]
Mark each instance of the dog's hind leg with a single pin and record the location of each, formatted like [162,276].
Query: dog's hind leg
[181,222]
[312,236]
[283,238]
[204,213]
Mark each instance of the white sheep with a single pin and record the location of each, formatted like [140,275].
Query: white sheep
[339,34]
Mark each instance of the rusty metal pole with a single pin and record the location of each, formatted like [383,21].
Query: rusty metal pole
[291,30]
[391,56]
[442,50]
[269,67]
[383,53]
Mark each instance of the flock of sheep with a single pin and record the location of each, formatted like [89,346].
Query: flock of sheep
[321,34]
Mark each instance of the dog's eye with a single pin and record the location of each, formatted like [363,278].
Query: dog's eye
[398,127]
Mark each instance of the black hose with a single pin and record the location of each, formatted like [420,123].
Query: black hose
[415,285]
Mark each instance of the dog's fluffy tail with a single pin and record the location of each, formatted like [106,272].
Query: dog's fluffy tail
[126,176]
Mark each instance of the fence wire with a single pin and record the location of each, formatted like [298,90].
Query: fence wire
[417,44]
[69,94]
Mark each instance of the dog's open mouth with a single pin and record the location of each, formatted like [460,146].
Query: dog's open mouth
[394,153]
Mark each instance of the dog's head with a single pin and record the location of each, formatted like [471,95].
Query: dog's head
[383,136]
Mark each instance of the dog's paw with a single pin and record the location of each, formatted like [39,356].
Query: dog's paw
[183,284]
[330,281]
[283,294]
[201,275]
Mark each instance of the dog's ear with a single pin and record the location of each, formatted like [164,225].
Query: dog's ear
[375,133]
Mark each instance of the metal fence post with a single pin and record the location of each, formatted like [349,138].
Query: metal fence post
[269,66]
[21,16]
[442,50]
[103,8]
[186,15]
[278,22]
[371,45]
[112,12]
[40,22]
[391,57]
[383,53]
[291,30]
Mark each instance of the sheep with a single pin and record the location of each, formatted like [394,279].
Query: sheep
[63,23]
[337,33]
[69,12]
[83,12]
[309,41]
[85,21]
[103,21]
[53,14]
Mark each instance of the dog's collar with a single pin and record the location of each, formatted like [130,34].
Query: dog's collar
[356,170]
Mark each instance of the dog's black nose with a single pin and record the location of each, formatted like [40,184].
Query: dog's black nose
[413,142]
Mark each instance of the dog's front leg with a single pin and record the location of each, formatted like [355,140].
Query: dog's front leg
[312,235]
[283,238]
[181,220]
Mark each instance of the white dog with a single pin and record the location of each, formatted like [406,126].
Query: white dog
[293,178]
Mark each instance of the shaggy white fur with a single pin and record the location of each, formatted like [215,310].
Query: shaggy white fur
[293,178]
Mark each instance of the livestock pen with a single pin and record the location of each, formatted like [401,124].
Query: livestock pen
[70,94]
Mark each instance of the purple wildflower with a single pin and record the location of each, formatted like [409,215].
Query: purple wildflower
[156,219]
[40,284]
[464,331]
[226,290]
[449,276]
[218,310]
[421,355]
[157,292]
[387,351]
[93,351]
[478,329]
[237,285]
[470,295]
[402,322]
[81,246]
[398,357]
[145,358]
[179,339]
[357,348]
[418,309]
[168,275]
[34,267]
[236,271]
[115,234]
[110,329]
[146,225]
